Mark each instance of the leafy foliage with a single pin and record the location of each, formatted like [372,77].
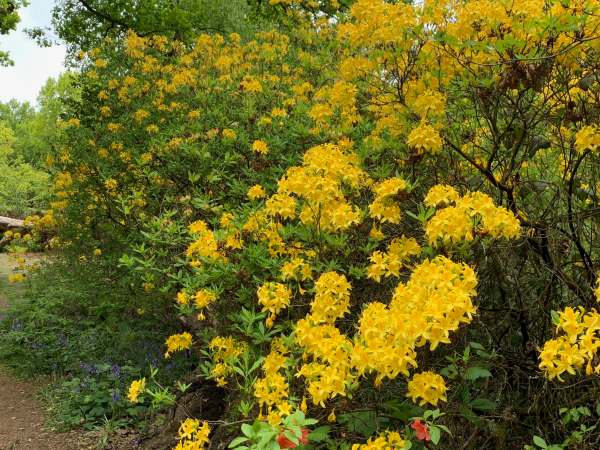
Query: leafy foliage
[377,201]
[9,18]
[23,188]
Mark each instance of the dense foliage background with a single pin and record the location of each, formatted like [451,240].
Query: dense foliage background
[353,225]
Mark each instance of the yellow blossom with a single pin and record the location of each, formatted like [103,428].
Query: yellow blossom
[428,387]
[177,342]
[260,147]
[136,388]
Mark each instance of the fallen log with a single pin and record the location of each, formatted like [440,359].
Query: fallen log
[8,222]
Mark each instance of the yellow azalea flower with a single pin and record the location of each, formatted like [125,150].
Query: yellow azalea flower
[260,147]
[136,388]
[178,342]
[256,192]
[427,387]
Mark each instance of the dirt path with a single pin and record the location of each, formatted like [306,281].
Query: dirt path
[22,419]
[21,414]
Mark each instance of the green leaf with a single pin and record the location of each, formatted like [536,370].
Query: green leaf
[435,434]
[474,373]
[237,441]
[319,434]
[444,428]
[401,410]
[247,430]
[469,415]
[412,215]
[363,422]
[476,346]
[483,404]
[466,354]
[292,436]
[539,442]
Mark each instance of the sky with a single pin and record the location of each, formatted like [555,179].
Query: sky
[33,64]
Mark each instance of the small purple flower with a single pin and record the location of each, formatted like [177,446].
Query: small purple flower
[116,370]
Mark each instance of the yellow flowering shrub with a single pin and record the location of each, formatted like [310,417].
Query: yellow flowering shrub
[325,195]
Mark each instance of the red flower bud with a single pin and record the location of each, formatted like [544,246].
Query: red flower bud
[284,442]
[421,430]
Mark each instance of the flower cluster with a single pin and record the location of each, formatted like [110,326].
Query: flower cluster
[471,214]
[587,138]
[202,299]
[424,138]
[390,263]
[324,347]
[384,206]
[296,269]
[429,387]
[16,277]
[274,297]
[260,147]
[390,440]
[205,246]
[441,194]
[193,435]
[177,342]
[136,388]
[441,291]
[225,351]
[317,185]
[272,390]
[327,352]
[256,192]
[332,298]
[576,347]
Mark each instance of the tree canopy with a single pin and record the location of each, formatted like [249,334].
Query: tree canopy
[9,18]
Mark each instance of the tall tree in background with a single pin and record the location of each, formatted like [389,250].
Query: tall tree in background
[34,129]
[27,136]
[9,18]
[38,136]
[83,24]
[23,188]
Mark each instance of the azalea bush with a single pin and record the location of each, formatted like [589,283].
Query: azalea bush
[363,220]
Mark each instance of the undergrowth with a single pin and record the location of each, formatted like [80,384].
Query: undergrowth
[77,329]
